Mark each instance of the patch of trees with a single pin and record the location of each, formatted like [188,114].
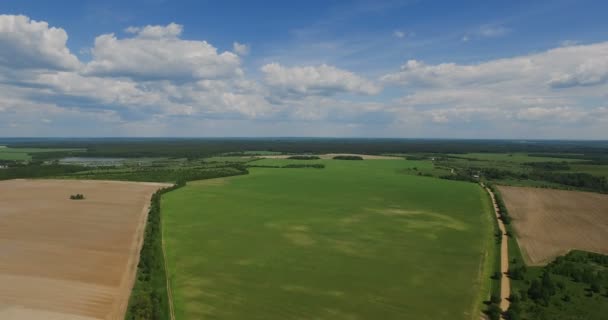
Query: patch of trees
[149,299]
[304,158]
[78,196]
[459,176]
[493,311]
[347,158]
[579,180]
[164,174]
[315,166]
[294,165]
[37,170]
[548,166]
[502,208]
[550,295]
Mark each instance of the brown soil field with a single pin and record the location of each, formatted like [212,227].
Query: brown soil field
[331,155]
[549,223]
[70,259]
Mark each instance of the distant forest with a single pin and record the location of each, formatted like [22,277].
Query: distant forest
[198,148]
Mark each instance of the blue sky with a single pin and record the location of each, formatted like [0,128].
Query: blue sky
[456,69]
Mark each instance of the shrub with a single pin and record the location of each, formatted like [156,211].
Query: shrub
[348,158]
[77,196]
[304,158]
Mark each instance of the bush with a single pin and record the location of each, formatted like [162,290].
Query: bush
[77,196]
[493,312]
[304,158]
[348,158]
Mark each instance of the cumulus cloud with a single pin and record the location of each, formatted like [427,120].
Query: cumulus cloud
[170,31]
[30,44]
[157,53]
[322,80]
[153,82]
[562,85]
[399,34]
[240,49]
[592,72]
[583,65]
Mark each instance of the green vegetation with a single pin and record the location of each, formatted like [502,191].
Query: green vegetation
[149,299]
[304,158]
[510,157]
[78,196]
[574,286]
[348,158]
[355,218]
[19,171]
[26,153]
[357,239]
[159,175]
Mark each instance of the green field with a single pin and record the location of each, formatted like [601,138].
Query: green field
[24,153]
[355,240]
[511,157]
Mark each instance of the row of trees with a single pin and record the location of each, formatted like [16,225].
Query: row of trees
[37,170]
[348,158]
[304,158]
[149,298]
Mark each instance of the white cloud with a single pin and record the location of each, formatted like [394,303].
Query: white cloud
[399,34]
[157,53]
[29,44]
[322,80]
[563,86]
[568,43]
[153,82]
[486,31]
[170,31]
[240,49]
[591,72]
[583,65]
[492,31]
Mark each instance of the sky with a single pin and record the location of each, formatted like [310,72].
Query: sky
[394,68]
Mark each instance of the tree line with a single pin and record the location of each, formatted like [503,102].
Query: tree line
[149,299]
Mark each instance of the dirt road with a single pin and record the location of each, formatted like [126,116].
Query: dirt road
[505,285]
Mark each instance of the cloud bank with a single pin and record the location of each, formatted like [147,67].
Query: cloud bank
[152,81]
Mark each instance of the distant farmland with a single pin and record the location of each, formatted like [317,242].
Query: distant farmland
[69,259]
[356,240]
[25,153]
[549,223]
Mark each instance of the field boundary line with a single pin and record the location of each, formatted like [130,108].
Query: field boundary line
[168,283]
[505,288]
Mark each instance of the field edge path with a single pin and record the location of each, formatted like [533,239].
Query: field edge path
[169,292]
[505,289]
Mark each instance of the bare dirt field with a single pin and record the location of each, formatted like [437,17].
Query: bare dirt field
[70,259]
[331,155]
[549,223]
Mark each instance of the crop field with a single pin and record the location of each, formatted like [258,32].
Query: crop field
[69,259]
[355,240]
[511,157]
[25,153]
[549,223]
